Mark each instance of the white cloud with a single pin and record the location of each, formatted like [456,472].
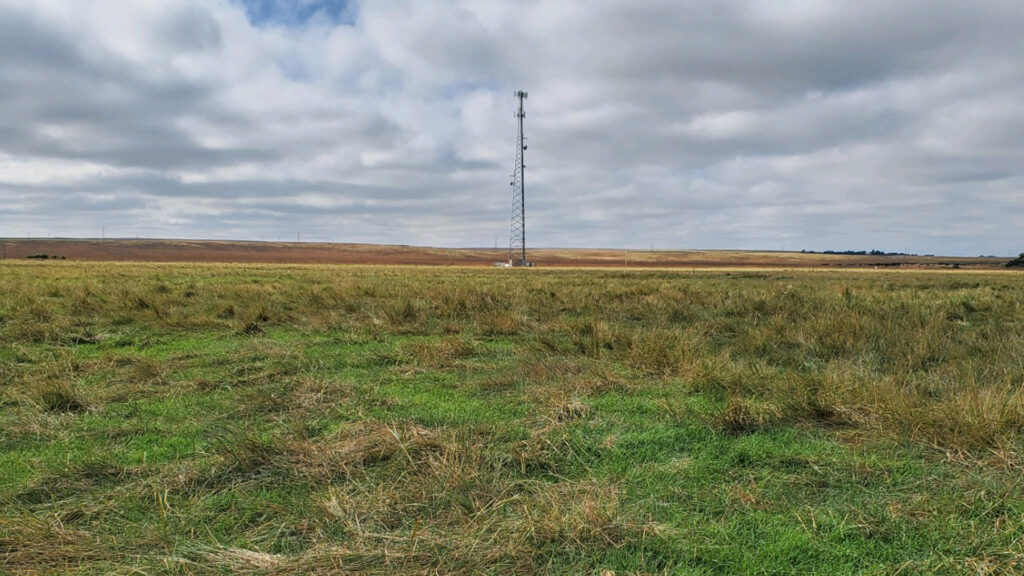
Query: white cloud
[742,123]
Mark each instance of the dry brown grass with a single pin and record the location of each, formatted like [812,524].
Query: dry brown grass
[30,545]
[322,253]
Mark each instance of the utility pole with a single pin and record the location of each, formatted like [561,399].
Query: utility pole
[517,238]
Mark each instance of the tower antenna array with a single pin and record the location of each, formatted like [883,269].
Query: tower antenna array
[517,238]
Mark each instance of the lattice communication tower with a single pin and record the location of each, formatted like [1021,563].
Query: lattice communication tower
[517,238]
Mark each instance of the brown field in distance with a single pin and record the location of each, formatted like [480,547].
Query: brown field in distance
[333,253]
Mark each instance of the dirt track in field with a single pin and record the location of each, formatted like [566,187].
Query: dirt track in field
[323,253]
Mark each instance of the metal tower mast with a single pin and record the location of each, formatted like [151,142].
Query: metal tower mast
[517,239]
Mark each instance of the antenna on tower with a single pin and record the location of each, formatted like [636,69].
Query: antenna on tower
[517,237]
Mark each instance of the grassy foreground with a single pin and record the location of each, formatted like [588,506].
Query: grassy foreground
[230,419]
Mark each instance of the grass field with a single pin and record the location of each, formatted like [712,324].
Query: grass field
[220,251]
[272,419]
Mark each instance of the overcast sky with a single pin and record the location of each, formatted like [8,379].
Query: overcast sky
[758,124]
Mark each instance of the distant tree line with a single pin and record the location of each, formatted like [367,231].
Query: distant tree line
[859,253]
[1017,262]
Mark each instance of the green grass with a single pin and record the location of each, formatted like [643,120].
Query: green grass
[224,419]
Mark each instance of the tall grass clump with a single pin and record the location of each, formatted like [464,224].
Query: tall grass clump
[62,397]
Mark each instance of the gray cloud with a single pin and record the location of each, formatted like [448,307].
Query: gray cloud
[735,124]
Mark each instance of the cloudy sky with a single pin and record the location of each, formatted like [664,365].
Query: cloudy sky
[761,124]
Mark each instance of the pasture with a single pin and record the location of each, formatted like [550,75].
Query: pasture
[284,419]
